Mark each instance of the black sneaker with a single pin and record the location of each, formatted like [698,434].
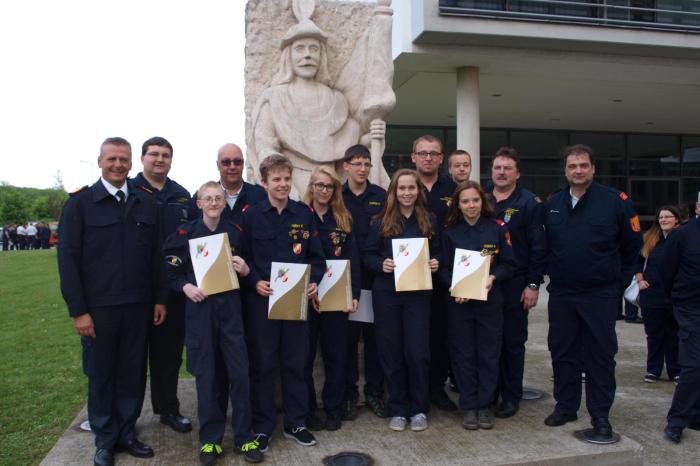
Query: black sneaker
[350,410]
[333,423]
[316,421]
[251,452]
[376,404]
[301,434]
[263,442]
[650,378]
[209,453]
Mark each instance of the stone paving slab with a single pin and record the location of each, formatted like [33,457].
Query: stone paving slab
[638,414]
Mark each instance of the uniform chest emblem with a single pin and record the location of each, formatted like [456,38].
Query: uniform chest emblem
[374,203]
[296,248]
[489,250]
[446,200]
[297,231]
[509,214]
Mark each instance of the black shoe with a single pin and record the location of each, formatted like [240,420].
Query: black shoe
[316,421]
[485,419]
[694,424]
[470,421]
[301,434]
[376,404]
[104,457]
[251,452]
[440,399]
[209,453]
[177,422]
[263,442]
[602,427]
[507,409]
[333,423]
[673,434]
[557,418]
[136,448]
[350,410]
[635,320]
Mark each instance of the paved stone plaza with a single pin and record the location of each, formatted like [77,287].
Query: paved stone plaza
[638,414]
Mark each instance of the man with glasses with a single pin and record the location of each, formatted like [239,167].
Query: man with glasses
[165,341]
[239,194]
[427,156]
[364,200]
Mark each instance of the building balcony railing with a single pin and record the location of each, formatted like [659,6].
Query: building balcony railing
[679,15]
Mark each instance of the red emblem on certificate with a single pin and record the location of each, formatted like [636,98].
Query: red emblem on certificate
[296,247]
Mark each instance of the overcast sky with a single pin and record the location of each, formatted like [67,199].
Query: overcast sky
[76,71]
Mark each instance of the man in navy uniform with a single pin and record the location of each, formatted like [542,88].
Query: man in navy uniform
[165,341]
[522,211]
[364,200]
[111,275]
[282,230]
[592,233]
[680,275]
[427,156]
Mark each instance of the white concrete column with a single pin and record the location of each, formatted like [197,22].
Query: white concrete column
[468,119]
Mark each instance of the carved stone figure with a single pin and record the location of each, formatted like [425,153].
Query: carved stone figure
[307,116]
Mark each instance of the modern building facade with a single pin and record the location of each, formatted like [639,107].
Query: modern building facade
[622,76]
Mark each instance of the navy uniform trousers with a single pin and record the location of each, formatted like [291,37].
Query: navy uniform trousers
[268,340]
[582,334]
[512,360]
[215,340]
[332,328]
[475,331]
[662,340]
[401,323]
[686,399]
[374,377]
[115,363]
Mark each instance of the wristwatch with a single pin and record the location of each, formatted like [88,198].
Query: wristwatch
[534,286]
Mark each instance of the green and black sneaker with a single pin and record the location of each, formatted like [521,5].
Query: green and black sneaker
[209,453]
[251,452]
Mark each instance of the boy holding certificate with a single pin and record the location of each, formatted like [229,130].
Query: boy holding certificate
[475,326]
[281,230]
[402,319]
[214,330]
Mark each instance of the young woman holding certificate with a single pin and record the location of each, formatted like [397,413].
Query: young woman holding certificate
[334,225]
[475,326]
[402,319]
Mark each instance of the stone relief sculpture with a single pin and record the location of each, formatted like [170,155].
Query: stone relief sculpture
[312,118]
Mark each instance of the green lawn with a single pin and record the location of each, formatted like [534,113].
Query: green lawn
[42,386]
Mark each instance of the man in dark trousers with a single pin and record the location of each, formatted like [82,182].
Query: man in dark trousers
[522,211]
[680,275]
[427,156]
[364,200]
[592,233]
[165,341]
[110,269]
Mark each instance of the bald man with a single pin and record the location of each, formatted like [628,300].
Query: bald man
[239,194]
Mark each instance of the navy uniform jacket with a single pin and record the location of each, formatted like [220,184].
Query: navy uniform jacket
[439,198]
[489,236]
[338,245]
[377,248]
[104,259]
[363,208]
[523,212]
[176,249]
[680,265]
[291,236]
[655,295]
[588,245]
[173,202]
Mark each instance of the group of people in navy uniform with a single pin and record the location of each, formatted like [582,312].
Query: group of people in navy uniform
[26,236]
[128,283]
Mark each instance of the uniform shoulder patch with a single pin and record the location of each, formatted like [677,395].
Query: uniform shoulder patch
[623,196]
[181,231]
[79,190]
[634,224]
[144,189]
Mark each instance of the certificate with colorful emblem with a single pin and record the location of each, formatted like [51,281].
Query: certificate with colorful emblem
[211,262]
[412,271]
[335,289]
[470,274]
[289,283]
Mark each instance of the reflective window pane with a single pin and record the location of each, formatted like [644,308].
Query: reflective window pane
[650,194]
[691,156]
[653,154]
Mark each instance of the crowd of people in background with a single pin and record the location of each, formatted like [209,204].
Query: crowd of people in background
[128,283]
[25,236]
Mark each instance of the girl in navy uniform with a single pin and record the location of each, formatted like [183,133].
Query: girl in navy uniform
[402,320]
[214,332]
[335,232]
[657,308]
[475,327]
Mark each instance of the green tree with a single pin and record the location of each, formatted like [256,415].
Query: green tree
[40,209]
[14,207]
[55,199]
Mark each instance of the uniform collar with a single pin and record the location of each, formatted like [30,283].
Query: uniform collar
[479,225]
[265,205]
[143,181]
[112,190]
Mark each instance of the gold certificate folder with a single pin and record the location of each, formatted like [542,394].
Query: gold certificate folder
[471,285]
[339,296]
[289,283]
[211,261]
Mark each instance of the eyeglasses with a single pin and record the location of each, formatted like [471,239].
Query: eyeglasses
[360,164]
[228,162]
[155,155]
[212,200]
[324,187]
[664,217]
[432,154]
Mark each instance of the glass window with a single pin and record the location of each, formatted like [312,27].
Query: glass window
[604,145]
[649,194]
[538,144]
[691,156]
[653,155]
[691,193]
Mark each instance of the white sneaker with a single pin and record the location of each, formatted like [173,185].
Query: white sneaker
[419,422]
[397,423]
